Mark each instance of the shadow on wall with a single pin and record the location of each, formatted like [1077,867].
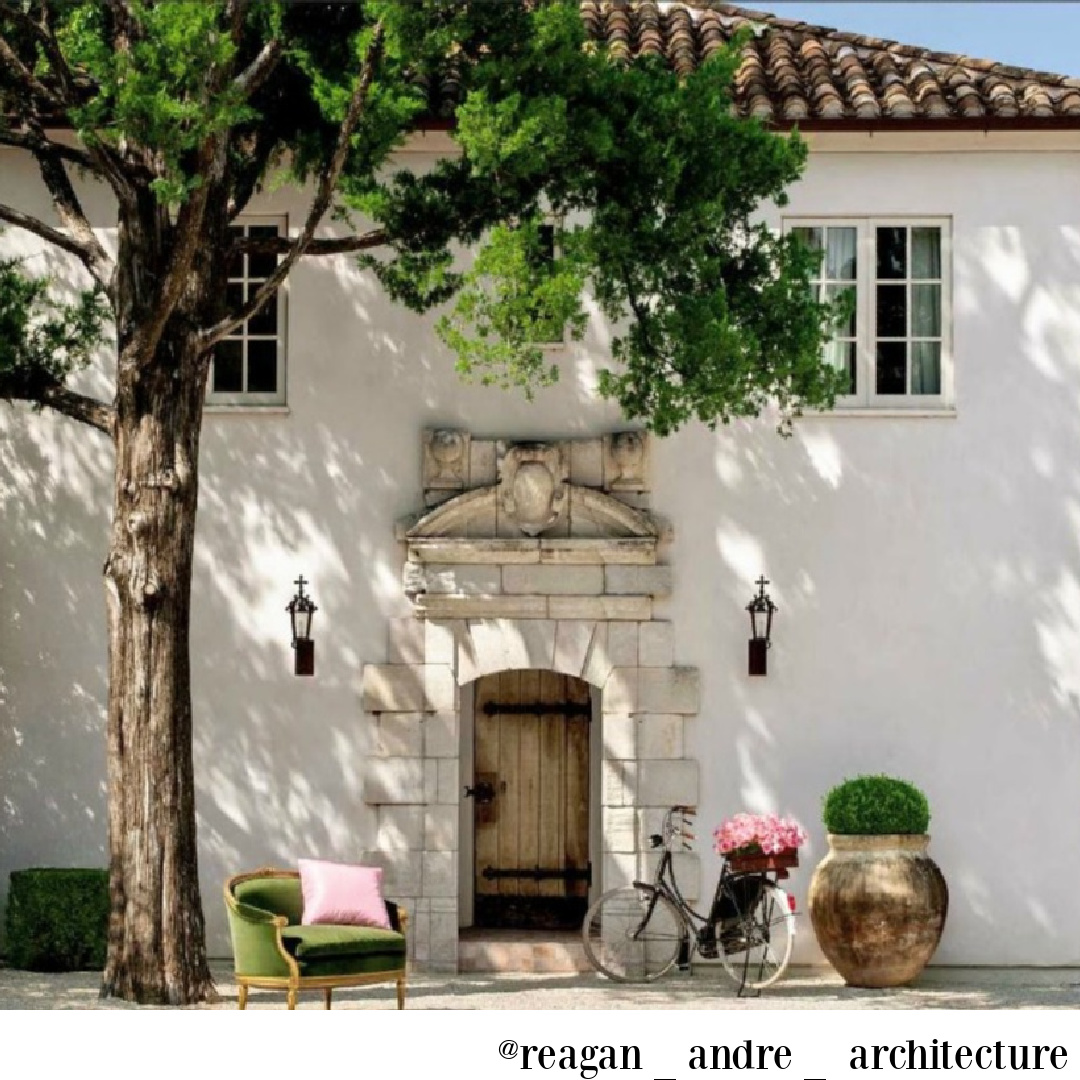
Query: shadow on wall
[927,572]
[928,578]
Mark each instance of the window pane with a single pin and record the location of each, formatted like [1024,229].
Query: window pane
[841,355]
[926,367]
[892,252]
[228,367]
[262,367]
[832,292]
[812,238]
[261,265]
[892,311]
[236,261]
[841,262]
[926,311]
[926,254]
[234,297]
[892,367]
[264,321]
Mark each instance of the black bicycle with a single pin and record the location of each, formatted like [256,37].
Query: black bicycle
[639,932]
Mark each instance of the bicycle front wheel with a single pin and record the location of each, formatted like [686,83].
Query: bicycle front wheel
[633,934]
[756,947]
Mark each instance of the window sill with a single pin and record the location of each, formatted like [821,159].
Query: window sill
[947,412]
[247,410]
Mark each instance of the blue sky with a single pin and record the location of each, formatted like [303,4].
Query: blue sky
[1032,34]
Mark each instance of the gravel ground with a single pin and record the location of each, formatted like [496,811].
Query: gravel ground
[802,988]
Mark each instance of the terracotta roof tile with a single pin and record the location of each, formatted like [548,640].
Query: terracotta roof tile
[794,71]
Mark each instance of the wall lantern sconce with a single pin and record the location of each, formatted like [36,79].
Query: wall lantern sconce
[761,610]
[300,610]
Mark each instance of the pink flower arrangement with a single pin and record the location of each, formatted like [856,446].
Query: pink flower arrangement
[758,834]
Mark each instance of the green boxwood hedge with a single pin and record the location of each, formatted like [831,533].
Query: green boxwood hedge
[57,920]
[876,805]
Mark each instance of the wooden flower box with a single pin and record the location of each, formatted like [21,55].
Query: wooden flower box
[757,864]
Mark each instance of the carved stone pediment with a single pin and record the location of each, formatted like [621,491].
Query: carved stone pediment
[532,486]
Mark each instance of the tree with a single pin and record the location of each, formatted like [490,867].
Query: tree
[185,109]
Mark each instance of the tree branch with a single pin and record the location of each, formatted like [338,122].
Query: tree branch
[25,78]
[259,70]
[87,410]
[280,245]
[23,141]
[62,240]
[319,205]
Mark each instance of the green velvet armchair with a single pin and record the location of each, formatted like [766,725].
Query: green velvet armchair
[273,951]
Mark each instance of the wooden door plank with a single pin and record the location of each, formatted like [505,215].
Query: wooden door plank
[529,811]
[508,788]
[486,755]
[577,786]
[552,688]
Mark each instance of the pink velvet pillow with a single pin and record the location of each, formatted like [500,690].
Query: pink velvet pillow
[342,894]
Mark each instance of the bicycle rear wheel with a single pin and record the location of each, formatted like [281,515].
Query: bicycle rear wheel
[633,934]
[756,947]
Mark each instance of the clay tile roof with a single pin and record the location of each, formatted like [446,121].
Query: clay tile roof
[793,72]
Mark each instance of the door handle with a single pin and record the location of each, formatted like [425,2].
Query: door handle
[483,792]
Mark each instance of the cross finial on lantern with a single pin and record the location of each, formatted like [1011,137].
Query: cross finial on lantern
[300,583]
[761,583]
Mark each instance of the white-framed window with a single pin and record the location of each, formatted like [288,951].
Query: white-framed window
[553,336]
[896,345]
[249,365]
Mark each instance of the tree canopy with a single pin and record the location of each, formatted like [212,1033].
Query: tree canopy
[647,181]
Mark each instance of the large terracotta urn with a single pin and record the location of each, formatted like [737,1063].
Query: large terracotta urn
[878,906]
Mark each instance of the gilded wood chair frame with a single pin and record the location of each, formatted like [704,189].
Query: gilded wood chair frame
[294,982]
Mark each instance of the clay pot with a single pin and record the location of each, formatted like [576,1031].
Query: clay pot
[878,905]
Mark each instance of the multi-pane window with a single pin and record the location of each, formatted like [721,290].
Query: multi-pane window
[249,365]
[894,345]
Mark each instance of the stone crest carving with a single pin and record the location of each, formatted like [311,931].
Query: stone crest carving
[626,461]
[532,485]
[446,459]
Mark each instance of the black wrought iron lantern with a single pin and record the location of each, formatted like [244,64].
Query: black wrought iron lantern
[762,610]
[301,608]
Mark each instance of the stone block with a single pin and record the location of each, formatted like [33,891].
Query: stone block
[553,580]
[630,608]
[440,689]
[620,868]
[482,463]
[444,941]
[393,780]
[482,607]
[637,580]
[660,735]
[440,641]
[619,737]
[431,780]
[656,644]
[595,551]
[405,641]
[462,579]
[619,828]
[441,832]
[393,688]
[623,643]
[598,664]
[572,640]
[620,692]
[440,873]
[448,788]
[667,783]
[419,936]
[398,735]
[618,780]
[401,873]
[587,463]
[442,738]
[401,828]
[507,645]
[669,690]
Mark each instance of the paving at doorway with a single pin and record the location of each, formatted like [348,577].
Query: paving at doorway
[522,951]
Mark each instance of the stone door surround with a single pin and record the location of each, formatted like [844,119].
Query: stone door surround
[538,556]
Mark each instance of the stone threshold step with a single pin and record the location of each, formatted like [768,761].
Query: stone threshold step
[499,953]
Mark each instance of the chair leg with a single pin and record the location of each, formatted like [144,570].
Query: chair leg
[401,992]
[243,995]
[328,991]
[293,995]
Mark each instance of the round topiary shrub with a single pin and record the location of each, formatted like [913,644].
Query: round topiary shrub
[876,805]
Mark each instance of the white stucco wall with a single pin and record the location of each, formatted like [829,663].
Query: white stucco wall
[927,573]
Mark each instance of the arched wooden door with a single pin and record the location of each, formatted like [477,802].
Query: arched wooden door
[531,800]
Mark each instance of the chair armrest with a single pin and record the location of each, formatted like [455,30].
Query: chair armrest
[256,939]
[399,917]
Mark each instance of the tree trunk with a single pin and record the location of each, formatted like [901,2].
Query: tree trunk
[157,949]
